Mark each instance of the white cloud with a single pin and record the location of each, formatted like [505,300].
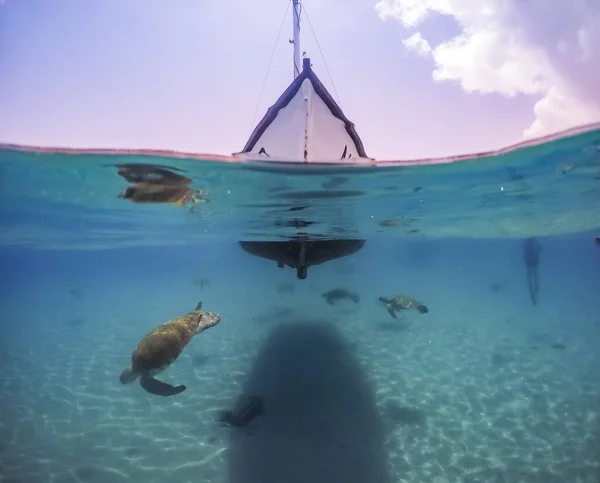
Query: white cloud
[548,48]
[418,44]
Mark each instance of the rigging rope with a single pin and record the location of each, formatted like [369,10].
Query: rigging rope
[322,56]
[269,67]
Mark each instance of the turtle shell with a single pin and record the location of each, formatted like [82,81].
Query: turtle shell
[161,347]
[404,302]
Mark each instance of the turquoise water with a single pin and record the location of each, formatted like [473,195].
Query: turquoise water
[485,387]
[550,189]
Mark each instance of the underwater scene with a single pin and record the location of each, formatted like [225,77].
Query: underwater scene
[399,324]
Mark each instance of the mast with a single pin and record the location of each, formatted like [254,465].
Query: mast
[296,40]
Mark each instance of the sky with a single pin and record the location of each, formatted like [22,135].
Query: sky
[418,78]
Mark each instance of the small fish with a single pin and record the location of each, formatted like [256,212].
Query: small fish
[245,410]
[340,294]
[201,282]
[498,285]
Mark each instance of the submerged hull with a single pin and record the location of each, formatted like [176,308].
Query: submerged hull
[301,252]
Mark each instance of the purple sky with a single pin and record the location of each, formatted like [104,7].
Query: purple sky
[427,78]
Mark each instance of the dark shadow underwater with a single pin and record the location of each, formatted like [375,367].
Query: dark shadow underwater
[320,421]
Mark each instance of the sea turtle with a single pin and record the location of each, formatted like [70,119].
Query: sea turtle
[402,302]
[176,194]
[159,349]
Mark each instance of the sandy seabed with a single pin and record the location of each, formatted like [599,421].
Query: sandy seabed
[350,395]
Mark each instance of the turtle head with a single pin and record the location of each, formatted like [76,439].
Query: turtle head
[208,320]
[384,300]
[127,193]
[198,196]
[128,375]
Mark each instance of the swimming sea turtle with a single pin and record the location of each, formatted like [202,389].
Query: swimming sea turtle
[402,302]
[159,349]
[176,194]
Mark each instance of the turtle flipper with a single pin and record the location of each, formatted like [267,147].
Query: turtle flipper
[392,312]
[159,388]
